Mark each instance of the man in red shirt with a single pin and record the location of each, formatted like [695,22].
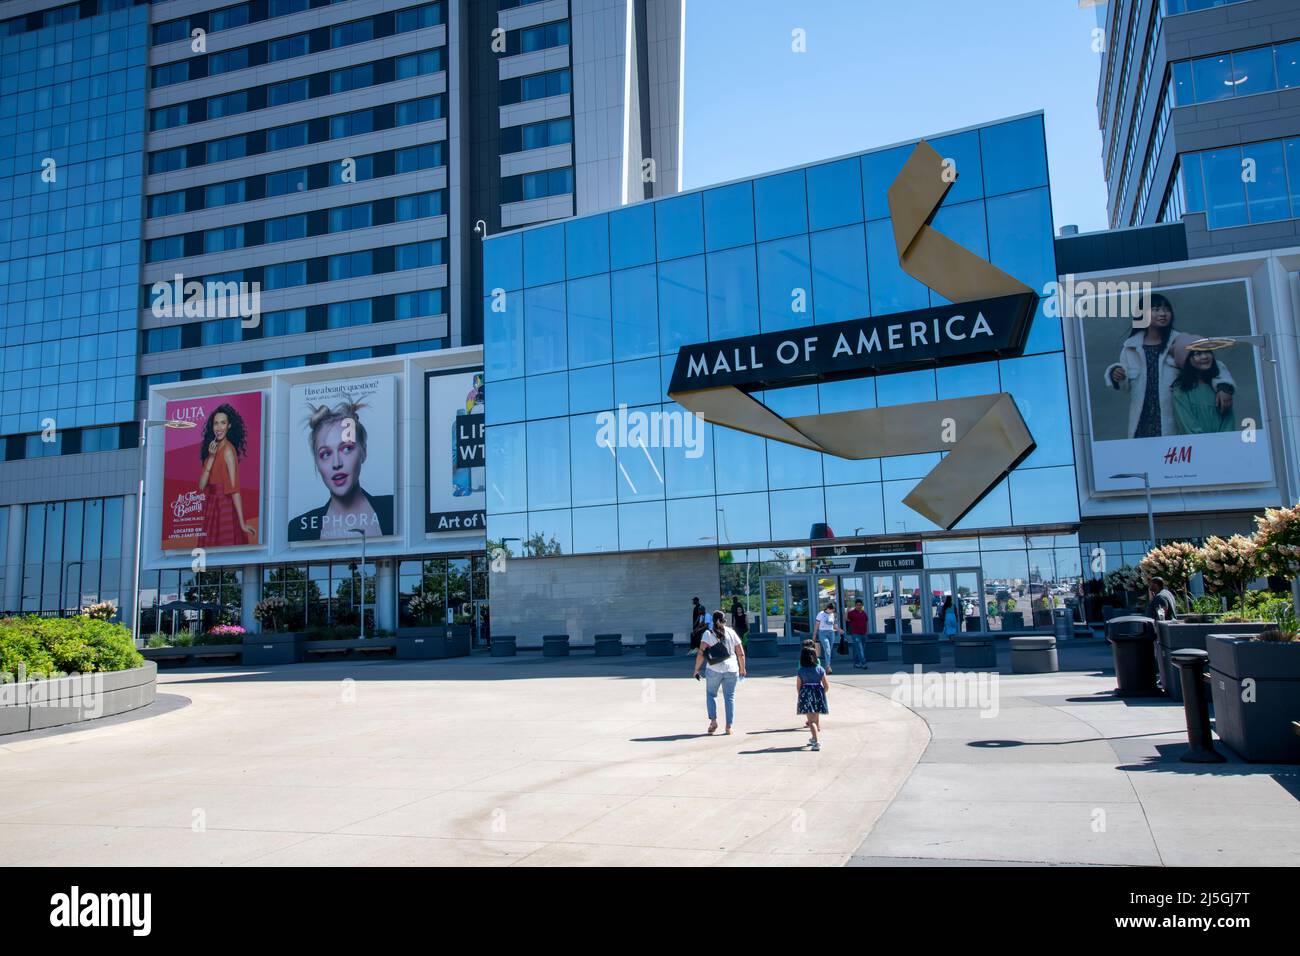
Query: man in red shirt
[857,620]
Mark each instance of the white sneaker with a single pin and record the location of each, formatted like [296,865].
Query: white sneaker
[812,741]
[816,745]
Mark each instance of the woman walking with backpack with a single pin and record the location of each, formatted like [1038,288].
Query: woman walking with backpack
[722,655]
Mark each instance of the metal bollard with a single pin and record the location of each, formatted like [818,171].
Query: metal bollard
[1191,665]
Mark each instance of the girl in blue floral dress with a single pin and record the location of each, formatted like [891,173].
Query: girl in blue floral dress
[810,681]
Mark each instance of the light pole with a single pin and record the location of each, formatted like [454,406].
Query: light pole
[1146,485]
[145,425]
[67,579]
[363,579]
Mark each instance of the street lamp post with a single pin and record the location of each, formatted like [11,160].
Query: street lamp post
[67,579]
[145,425]
[363,579]
[1146,485]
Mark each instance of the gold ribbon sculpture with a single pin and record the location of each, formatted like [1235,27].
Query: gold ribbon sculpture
[984,435]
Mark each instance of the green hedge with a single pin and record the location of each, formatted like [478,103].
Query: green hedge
[50,645]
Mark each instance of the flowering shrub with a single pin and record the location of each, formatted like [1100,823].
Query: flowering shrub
[422,606]
[227,630]
[1173,562]
[1277,541]
[1123,579]
[269,612]
[1227,564]
[102,611]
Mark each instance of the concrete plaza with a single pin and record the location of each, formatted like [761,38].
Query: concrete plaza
[592,761]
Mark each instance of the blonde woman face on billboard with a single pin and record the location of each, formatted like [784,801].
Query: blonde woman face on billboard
[339,458]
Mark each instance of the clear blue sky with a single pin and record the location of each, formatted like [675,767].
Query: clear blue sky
[880,71]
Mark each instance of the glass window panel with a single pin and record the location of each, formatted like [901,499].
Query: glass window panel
[994,511]
[908,466]
[733,293]
[595,530]
[692,522]
[964,224]
[679,227]
[507,403]
[835,194]
[892,289]
[844,396]
[1292,150]
[855,509]
[1014,156]
[592,459]
[1212,77]
[839,274]
[642,526]
[741,461]
[904,388]
[503,262]
[640,472]
[1287,59]
[683,308]
[1193,182]
[502,527]
[587,245]
[544,329]
[1267,194]
[743,518]
[1225,193]
[899,518]
[590,328]
[503,336]
[548,395]
[548,473]
[590,389]
[1253,72]
[959,381]
[879,170]
[632,236]
[785,283]
[555,529]
[1184,92]
[688,462]
[637,383]
[543,255]
[1020,242]
[1044,496]
[793,513]
[635,307]
[729,216]
[507,461]
[780,205]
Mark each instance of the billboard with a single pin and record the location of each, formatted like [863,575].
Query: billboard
[212,473]
[455,476]
[1187,417]
[343,459]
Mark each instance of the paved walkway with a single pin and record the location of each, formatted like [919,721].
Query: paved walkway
[472,761]
[602,762]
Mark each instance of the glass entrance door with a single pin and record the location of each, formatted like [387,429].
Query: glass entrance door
[883,605]
[799,609]
[774,616]
[965,587]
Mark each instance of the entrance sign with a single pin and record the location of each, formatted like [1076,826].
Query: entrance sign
[984,435]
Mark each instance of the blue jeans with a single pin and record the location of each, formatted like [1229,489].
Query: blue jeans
[859,649]
[727,680]
[825,638]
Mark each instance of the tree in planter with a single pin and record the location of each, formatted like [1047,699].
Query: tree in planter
[269,612]
[1174,563]
[1228,565]
[1124,580]
[1277,541]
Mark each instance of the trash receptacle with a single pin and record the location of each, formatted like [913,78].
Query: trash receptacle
[1062,623]
[1132,641]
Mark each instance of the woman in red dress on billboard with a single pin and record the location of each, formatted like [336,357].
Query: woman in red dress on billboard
[223,510]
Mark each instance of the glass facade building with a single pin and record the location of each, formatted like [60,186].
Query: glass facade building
[71,152]
[587,316]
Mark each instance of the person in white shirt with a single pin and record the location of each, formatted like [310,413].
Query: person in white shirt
[722,673]
[827,627]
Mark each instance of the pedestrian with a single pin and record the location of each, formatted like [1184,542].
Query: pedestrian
[948,614]
[858,622]
[740,620]
[1161,604]
[722,656]
[812,688]
[699,622]
[827,627]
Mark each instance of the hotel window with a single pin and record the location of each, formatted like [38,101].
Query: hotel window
[419,111]
[290,91]
[281,8]
[166,248]
[286,228]
[1238,73]
[418,64]
[1240,185]
[418,157]
[228,61]
[420,206]
[418,18]
[228,18]
[352,78]
[542,37]
[521,89]
[167,160]
[515,139]
[223,194]
[228,105]
[351,217]
[418,255]
[219,240]
[289,181]
[286,48]
[285,275]
[551,182]
[167,204]
[346,34]
[287,137]
[411,305]
[232,147]
[171,32]
[169,116]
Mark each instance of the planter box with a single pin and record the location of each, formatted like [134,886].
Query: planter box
[609,645]
[1256,690]
[760,644]
[1175,635]
[263,649]
[921,649]
[433,643]
[503,645]
[660,644]
[191,656]
[877,647]
[350,647]
[35,705]
[555,645]
[973,651]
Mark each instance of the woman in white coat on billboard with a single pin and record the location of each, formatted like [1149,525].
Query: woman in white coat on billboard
[1149,362]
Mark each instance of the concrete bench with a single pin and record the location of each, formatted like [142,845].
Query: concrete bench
[920,648]
[328,651]
[377,649]
[503,645]
[1033,655]
[609,645]
[555,645]
[971,651]
[659,645]
[761,644]
[217,656]
[877,647]
[168,658]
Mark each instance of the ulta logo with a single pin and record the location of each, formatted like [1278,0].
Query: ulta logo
[76,909]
